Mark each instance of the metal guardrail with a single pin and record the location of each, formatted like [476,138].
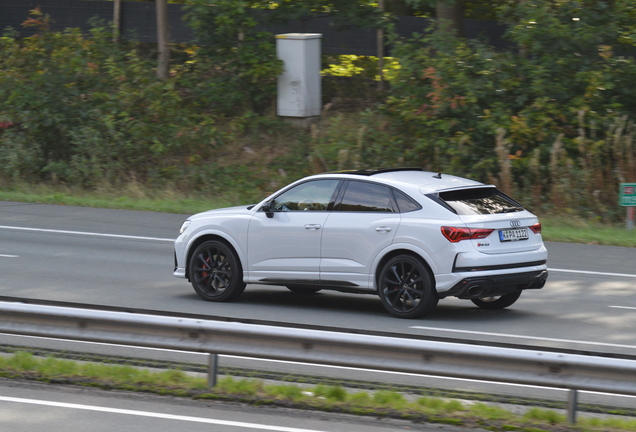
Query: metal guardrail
[503,365]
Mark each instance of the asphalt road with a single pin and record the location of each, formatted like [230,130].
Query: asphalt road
[124,258]
[590,306]
[28,407]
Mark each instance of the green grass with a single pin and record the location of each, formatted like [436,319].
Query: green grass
[131,198]
[575,230]
[135,197]
[382,403]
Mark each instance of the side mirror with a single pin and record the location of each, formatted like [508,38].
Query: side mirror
[267,209]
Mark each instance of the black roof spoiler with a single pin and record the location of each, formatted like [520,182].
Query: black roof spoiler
[372,171]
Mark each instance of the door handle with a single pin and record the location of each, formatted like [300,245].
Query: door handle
[312,227]
[383,229]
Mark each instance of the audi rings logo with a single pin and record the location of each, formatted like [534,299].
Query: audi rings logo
[515,223]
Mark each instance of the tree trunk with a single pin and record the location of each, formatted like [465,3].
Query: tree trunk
[398,7]
[163,60]
[116,20]
[450,15]
[380,42]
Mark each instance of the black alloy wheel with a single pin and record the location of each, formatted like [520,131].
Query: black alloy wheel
[497,302]
[215,272]
[406,287]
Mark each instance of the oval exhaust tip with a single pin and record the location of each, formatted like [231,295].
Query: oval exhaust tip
[475,291]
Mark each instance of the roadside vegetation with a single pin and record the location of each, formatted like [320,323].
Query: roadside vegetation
[550,120]
[380,403]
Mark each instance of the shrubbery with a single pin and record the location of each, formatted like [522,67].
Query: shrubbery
[235,66]
[549,120]
[82,110]
[550,117]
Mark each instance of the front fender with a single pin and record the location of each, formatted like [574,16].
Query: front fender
[195,238]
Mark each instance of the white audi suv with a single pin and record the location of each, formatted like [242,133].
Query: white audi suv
[410,236]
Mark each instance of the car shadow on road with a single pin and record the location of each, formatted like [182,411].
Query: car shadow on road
[469,312]
[276,299]
[329,300]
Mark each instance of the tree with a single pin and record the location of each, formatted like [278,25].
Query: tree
[235,67]
[163,48]
[450,15]
[562,103]
[346,13]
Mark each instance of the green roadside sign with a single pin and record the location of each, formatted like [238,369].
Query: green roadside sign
[627,194]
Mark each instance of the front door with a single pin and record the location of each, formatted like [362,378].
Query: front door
[285,249]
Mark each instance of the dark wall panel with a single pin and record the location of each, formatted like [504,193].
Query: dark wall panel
[137,18]
[138,23]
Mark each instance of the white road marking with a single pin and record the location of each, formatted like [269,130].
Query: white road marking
[86,233]
[154,415]
[172,240]
[276,428]
[524,337]
[593,273]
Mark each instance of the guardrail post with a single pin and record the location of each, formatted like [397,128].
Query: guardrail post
[573,397]
[213,369]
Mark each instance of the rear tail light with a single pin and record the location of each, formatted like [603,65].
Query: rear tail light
[536,228]
[455,234]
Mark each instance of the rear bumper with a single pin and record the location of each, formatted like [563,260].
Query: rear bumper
[496,285]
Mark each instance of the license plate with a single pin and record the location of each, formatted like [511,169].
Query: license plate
[513,234]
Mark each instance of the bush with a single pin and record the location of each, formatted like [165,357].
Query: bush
[235,67]
[548,121]
[82,110]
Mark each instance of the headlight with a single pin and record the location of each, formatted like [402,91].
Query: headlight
[184,226]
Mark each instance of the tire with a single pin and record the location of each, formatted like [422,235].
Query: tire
[302,289]
[497,302]
[215,272]
[406,287]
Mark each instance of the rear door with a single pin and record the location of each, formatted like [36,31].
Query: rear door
[364,221]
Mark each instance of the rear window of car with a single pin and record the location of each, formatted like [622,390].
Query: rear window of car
[479,201]
[405,204]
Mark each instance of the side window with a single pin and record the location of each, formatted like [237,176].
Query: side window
[366,197]
[310,196]
[405,204]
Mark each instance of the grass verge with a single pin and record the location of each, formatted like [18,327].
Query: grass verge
[381,403]
[135,197]
[575,230]
[132,198]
